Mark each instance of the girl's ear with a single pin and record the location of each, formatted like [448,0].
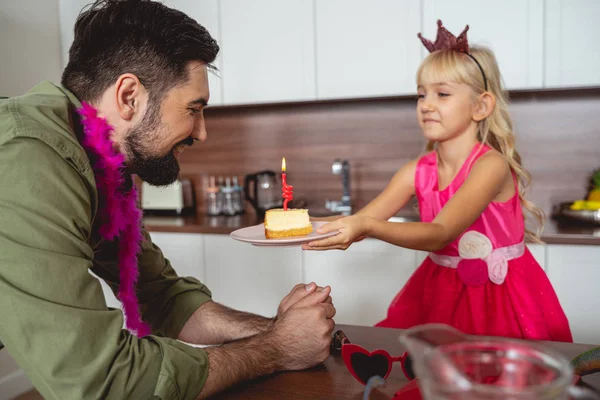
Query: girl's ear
[485,105]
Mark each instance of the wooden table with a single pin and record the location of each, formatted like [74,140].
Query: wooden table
[331,380]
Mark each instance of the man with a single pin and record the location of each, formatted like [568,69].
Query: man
[143,68]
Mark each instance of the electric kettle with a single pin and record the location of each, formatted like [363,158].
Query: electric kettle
[263,191]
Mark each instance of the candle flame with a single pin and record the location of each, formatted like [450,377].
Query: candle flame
[283,164]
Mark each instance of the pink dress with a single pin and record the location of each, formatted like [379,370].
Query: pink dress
[486,282]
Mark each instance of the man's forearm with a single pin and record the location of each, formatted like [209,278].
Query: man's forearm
[239,361]
[213,323]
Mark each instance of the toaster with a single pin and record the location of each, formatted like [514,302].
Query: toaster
[175,199]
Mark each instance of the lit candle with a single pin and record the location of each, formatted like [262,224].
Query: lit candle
[285,188]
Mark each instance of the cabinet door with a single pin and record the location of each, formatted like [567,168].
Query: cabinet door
[367,48]
[207,14]
[364,279]
[185,251]
[268,51]
[575,272]
[513,29]
[29,47]
[538,251]
[572,56]
[250,278]
[68,10]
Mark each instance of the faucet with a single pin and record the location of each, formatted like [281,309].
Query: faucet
[344,206]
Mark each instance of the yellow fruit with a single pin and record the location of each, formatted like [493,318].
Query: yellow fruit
[585,205]
[594,195]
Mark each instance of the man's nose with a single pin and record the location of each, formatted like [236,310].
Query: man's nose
[200,130]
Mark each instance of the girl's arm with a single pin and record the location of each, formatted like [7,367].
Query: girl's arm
[489,177]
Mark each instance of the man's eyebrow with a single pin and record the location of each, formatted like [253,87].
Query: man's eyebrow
[202,101]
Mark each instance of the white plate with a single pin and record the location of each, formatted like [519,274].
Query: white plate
[256,236]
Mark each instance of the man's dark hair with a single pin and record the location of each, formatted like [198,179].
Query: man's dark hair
[142,37]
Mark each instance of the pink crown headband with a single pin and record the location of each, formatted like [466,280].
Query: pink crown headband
[445,40]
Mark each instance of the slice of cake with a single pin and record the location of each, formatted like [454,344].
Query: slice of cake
[280,223]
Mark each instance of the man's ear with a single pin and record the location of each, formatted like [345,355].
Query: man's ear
[129,92]
[486,102]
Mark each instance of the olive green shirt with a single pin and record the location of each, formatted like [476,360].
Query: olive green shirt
[53,316]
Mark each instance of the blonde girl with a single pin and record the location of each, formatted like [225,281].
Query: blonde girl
[479,276]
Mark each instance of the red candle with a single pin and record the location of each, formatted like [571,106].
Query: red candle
[285,188]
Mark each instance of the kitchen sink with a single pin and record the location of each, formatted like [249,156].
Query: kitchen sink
[404,219]
[321,213]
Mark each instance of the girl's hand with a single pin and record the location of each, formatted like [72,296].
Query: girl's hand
[351,229]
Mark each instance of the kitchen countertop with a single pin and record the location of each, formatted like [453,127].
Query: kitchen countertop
[331,380]
[555,231]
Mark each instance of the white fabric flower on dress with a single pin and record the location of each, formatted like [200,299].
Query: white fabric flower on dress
[474,244]
[497,268]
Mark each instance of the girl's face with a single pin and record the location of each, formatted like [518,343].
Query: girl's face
[445,110]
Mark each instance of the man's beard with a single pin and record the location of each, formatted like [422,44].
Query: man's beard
[157,171]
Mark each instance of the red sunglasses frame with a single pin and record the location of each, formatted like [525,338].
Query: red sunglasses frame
[348,349]
[341,342]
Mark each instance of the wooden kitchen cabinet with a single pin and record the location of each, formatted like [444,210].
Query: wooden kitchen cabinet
[185,251]
[574,271]
[250,278]
[572,56]
[302,50]
[513,29]
[364,279]
[268,51]
[366,49]
[207,13]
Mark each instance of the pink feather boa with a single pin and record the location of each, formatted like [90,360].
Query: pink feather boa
[118,214]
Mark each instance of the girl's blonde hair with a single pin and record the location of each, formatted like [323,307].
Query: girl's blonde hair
[496,130]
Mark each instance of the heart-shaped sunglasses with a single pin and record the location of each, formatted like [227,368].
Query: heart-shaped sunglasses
[364,364]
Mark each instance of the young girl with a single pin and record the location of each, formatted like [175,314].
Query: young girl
[479,276]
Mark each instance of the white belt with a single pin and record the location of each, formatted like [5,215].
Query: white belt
[478,262]
[508,253]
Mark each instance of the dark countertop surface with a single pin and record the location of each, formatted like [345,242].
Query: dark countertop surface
[332,380]
[555,231]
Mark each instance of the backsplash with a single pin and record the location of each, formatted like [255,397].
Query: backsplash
[557,134]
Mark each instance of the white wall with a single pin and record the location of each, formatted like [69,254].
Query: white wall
[29,54]
[29,44]
[68,11]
